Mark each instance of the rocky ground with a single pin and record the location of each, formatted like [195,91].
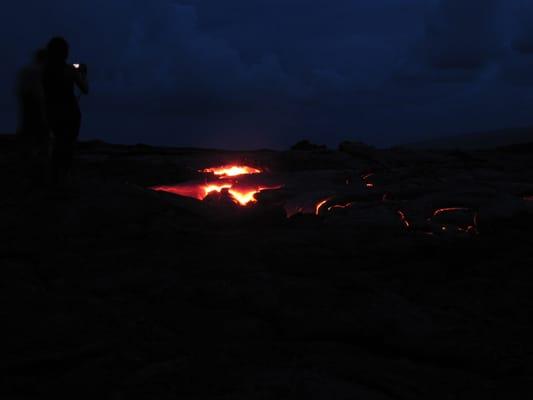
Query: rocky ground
[414,281]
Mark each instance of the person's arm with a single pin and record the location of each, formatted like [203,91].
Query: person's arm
[80,78]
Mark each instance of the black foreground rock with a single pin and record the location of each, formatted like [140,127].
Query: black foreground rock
[115,291]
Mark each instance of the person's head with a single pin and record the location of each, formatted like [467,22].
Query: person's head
[58,50]
[40,57]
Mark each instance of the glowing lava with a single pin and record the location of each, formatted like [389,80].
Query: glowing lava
[448,210]
[365,178]
[331,206]
[403,218]
[462,226]
[215,188]
[320,205]
[245,197]
[340,206]
[230,171]
[240,195]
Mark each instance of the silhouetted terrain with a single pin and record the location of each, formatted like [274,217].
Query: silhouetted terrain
[414,281]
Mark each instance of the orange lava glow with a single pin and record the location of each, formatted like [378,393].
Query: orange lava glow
[467,228]
[245,197]
[241,196]
[230,171]
[215,188]
[404,219]
[449,209]
[340,206]
[365,178]
[320,205]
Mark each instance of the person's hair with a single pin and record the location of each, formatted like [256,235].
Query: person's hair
[58,49]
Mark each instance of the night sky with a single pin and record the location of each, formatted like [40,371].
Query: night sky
[267,73]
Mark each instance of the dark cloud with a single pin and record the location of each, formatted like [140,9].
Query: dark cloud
[267,72]
[463,34]
[524,44]
[523,39]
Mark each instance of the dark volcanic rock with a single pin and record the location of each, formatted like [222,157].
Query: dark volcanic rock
[117,291]
[358,149]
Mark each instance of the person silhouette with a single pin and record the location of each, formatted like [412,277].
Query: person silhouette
[33,132]
[62,109]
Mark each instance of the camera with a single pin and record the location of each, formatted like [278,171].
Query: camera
[81,68]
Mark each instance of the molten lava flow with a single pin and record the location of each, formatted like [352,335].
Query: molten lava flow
[340,206]
[404,219]
[241,196]
[245,197]
[193,191]
[215,188]
[449,209]
[365,178]
[331,206]
[462,226]
[230,171]
[320,205]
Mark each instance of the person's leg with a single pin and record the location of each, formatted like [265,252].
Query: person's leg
[65,138]
[73,134]
[42,154]
[60,154]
